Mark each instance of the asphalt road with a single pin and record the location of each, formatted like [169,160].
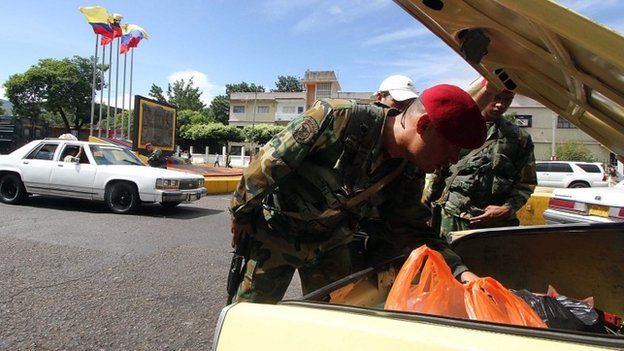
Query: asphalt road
[74,276]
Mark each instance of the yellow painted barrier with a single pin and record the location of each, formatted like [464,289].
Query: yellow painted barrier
[533,211]
[221,185]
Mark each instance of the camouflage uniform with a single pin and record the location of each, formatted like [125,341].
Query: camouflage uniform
[321,160]
[156,159]
[503,173]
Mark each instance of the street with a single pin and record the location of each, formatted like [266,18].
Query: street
[75,276]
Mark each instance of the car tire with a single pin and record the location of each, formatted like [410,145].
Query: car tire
[578,185]
[122,197]
[12,190]
[170,205]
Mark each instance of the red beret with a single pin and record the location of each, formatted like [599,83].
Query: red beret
[455,115]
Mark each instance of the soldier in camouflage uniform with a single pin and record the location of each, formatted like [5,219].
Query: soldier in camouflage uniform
[298,200]
[488,187]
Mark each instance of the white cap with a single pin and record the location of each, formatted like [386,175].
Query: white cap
[400,87]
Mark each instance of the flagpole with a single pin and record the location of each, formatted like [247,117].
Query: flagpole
[97,36]
[110,69]
[123,97]
[116,88]
[130,100]
[101,92]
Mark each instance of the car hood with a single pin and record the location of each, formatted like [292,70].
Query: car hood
[541,50]
[144,171]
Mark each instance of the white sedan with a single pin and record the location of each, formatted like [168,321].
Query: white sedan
[588,205]
[92,171]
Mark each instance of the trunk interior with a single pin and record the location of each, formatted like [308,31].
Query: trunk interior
[579,261]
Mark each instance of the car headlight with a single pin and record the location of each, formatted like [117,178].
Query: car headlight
[167,184]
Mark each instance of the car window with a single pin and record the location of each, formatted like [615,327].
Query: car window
[111,155]
[589,168]
[560,167]
[541,167]
[70,149]
[43,152]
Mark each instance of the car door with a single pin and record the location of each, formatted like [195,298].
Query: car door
[543,174]
[37,165]
[561,174]
[73,179]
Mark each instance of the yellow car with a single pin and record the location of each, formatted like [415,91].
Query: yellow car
[541,50]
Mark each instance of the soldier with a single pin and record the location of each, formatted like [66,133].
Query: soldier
[156,158]
[490,184]
[396,91]
[300,199]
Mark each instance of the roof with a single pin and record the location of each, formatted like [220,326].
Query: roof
[267,96]
[319,76]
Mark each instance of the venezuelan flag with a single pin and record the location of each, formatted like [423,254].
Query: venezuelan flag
[97,16]
[132,35]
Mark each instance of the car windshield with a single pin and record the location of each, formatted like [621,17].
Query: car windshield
[111,155]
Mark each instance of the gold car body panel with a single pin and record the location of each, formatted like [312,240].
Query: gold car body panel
[262,327]
[569,63]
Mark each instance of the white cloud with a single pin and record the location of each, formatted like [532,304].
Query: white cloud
[403,34]
[209,90]
[2,92]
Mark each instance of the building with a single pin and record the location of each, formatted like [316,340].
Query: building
[281,107]
[544,125]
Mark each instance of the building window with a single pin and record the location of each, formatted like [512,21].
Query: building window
[323,90]
[563,123]
[289,109]
[524,121]
[299,109]
[263,109]
[238,109]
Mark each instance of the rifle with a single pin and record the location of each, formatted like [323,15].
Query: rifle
[240,256]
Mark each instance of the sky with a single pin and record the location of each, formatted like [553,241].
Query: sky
[219,42]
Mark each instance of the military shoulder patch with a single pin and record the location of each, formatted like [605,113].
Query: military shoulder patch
[305,132]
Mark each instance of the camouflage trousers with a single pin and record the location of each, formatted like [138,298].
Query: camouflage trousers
[451,223]
[274,259]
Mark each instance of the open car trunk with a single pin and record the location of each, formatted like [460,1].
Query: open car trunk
[578,260]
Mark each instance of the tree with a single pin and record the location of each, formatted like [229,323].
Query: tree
[156,92]
[213,134]
[2,111]
[574,151]
[60,87]
[262,133]
[243,87]
[220,107]
[288,83]
[188,118]
[185,96]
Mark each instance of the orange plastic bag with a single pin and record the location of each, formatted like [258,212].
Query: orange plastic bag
[436,291]
[487,300]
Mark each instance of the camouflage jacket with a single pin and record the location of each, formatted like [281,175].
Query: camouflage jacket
[323,158]
[503,173]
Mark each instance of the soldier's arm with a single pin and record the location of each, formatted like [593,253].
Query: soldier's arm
[527,178]
[438,183]
[276,160]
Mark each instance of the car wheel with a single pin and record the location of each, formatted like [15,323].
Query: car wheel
[170,204]
[122,197]
[12,189]
[578,185]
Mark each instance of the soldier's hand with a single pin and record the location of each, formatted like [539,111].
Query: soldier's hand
[239,230]
[467,277]
[492,213]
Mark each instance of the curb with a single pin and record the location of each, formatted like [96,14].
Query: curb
[221,185]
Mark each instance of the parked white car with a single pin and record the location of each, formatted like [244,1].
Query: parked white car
[570,174]
[602,205]
[101,172]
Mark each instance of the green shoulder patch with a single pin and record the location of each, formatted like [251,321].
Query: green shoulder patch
[306,132]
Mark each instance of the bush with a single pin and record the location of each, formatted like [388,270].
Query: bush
[574,151]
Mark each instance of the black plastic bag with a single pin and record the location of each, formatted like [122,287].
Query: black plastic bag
[562,312]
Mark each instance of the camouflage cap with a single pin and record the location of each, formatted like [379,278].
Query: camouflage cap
[455,115]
